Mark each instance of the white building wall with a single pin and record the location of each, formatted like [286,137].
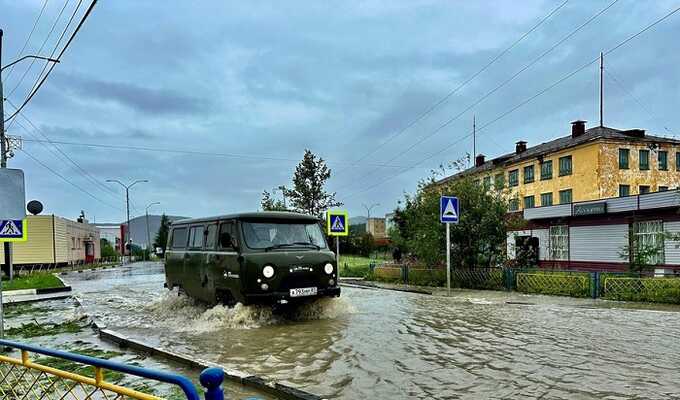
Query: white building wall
[672,247]
[601,243]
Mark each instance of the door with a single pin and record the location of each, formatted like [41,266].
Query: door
[174,257]
[194,268]
[227,268]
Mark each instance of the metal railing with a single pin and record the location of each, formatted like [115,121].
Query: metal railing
[26,378]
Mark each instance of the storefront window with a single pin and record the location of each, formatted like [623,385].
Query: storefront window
[650,236]
[559,242]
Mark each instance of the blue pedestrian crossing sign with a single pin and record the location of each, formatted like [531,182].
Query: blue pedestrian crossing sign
[337,223]
[13,230]
[449,210]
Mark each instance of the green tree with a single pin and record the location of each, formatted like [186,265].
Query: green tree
[269,203]
[107,249]
[642,257]
[308,194]
[479,239]
[161,239]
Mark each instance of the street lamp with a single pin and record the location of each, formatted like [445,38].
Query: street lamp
[54,60]
[127,206]
[148,235]
[368,213]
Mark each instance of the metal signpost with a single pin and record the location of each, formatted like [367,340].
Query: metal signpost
[449,213]
[337,223]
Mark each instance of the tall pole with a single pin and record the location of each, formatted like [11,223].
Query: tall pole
[368,214]
[3,164]
[129,231]
[148,234]
[474,138]
[601,88]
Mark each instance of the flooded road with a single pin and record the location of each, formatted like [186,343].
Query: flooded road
[388,345]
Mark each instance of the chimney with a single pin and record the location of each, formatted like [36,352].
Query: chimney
[520,146]
[578,128]
[479,160]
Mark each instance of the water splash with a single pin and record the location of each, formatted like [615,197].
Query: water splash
[185,314]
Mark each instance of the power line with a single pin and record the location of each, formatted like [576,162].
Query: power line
[49,34]
[501,85]
[61,53]
[462,85]
[524,102]
[28,39]
[83,172]
[630,94]
[62,177]
[198,153]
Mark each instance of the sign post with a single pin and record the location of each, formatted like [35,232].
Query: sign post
[449,213]
[337,223]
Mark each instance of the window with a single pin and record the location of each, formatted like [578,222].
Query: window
[499,181]
[513,205]
[546,199]
[624,190]
[73,243]
[196,234]
[649,235]
[642,189]
[565,165]
[663,188]
[662,157]
[644,160]
[677,161]
[211,236]
[227,227]
[179,238]
[513,177]
[546,170]
[281,234]
[559,242]
[528,174]
[529,202]
[565,196]
[487,182]
[624,156]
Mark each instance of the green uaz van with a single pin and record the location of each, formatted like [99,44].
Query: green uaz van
[251,258]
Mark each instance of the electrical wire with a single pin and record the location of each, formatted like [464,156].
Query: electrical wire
[28,39]
[460,86]
[524,102]
[495,89]
[61,53]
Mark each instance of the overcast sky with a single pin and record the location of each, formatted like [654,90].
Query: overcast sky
[268,79]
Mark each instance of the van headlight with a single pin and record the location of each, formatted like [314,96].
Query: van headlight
[268,271]
[328,268]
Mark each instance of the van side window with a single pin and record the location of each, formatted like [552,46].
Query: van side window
[196,237]
[179,238]
[210,236]
[227,227]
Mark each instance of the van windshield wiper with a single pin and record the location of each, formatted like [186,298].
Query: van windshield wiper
[278,246]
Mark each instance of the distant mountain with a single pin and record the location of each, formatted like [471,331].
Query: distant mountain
[357,221]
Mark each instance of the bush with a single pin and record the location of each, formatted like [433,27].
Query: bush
[555,283]
[653,290]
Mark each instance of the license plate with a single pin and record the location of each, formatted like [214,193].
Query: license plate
[300,292]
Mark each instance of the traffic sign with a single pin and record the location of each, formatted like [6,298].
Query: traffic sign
[13,230]
[449,210]
[337,223]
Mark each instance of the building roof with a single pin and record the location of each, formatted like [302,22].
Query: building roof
[264,215]
[590,135]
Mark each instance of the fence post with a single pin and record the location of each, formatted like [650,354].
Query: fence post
[404,274]
[595,284]
[211,379]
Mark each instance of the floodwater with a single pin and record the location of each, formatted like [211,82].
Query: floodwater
[388,345]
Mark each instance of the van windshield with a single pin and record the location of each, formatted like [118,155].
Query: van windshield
[266,235]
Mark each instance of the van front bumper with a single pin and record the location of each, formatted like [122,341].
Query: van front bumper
[284,297]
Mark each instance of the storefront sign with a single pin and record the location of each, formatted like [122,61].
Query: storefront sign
[590,208]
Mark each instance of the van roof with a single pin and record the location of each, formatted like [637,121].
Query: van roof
[264,215]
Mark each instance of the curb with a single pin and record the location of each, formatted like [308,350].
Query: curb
[396,289]
[33,292]
[253,381]
[10,301]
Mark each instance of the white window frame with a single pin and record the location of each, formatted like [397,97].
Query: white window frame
[651,233]
[559,242]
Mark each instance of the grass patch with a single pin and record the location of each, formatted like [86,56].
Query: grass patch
[33,281]
[15,310]
[358,266]
[34,329]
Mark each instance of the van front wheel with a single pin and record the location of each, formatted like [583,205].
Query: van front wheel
[225,297]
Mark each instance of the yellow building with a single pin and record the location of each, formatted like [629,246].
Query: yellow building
[590,164]
[56,240]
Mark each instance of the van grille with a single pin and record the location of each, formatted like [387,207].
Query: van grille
[298,280]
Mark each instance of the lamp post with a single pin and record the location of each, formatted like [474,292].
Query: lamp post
[148,235]
[368,213]
[127,207]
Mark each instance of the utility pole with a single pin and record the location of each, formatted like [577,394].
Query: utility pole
[148,234]
[474,138]
[127,207]
[3,164]
[368,214]
[601,88]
